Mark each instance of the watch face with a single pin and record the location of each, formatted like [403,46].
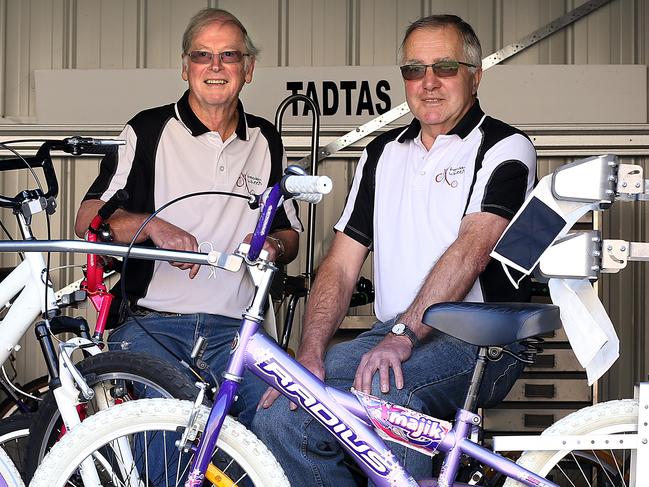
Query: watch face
[398,329]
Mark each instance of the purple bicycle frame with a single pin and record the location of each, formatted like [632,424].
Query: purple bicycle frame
[338,411]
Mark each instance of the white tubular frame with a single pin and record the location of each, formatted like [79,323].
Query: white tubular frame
[26,281]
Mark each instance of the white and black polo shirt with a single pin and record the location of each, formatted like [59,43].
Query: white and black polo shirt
[170,153]
[406,203]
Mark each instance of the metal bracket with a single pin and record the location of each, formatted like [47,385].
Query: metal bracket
[574,256]
[491,60]
[631,185]
[616,254]
[588,180]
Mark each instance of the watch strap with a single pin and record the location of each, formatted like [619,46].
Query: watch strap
[407,332]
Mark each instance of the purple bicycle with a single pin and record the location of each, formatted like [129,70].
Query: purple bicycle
[208,447]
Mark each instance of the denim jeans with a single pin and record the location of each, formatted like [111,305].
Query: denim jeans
[179,333]
[436,378]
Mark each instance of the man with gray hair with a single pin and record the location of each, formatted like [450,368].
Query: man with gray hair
[203,142]
[430,200]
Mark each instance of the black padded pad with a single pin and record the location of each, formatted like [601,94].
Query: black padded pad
[489,324]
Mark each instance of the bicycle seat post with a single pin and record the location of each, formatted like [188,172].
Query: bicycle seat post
[471,400]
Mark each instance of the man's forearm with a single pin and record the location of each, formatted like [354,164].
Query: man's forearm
[123,224]
[326,308]
[329,298]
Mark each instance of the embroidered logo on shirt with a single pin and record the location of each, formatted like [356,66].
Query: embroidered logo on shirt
[251,183]
[449,176]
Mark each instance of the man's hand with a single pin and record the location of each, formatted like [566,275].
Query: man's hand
[269,246]
[315,366]
[390,353]
[168,236]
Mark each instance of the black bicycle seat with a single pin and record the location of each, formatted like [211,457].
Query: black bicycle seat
[491,324]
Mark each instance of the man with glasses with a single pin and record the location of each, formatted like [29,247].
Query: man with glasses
[204,142]
[430,200]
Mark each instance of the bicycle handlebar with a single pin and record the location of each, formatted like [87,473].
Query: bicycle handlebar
[297,186]
[71,145]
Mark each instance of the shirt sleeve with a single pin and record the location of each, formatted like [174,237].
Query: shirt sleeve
[357,219]
[507,176]
[115,168]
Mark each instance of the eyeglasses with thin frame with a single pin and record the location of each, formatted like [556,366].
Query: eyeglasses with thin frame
[206,57]
[442,69]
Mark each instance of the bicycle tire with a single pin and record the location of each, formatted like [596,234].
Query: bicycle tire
[14,438]
[37,387]
[8,471]
[101,371]
[613,417]
[149,416]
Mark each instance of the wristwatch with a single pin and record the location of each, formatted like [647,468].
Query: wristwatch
[279,244]
[401,329]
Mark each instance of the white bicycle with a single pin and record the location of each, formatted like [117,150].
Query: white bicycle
[104,378]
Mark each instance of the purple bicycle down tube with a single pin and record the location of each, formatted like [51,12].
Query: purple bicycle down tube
[270,204]
[350,425]
[222,403]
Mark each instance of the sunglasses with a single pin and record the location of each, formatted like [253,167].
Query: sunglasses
[226,57]
[442,69]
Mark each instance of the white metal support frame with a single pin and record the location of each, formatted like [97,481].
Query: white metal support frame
[491,60]
[638,442]
[640,461]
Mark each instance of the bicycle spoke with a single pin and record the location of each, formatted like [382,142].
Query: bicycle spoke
[614,459]
[566,476]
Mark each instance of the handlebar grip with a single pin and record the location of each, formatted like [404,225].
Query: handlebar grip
[312,198]
[97,149]
[295,185]
[115,201]
[88,145]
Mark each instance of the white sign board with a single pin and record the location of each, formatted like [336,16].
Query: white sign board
[352,95]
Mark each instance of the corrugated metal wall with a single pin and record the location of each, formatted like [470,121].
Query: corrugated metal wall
[52,34]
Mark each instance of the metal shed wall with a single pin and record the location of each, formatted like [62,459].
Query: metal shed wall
[109,34]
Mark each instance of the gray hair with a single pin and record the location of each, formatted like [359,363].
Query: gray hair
[471,48]
[210,15]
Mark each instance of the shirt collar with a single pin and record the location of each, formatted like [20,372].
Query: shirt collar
[196,127]
[467,123]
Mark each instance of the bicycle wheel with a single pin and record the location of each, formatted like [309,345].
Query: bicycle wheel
[14,438]
[37,388]
[8,472]
[586,468]
[125,441]
[117,376]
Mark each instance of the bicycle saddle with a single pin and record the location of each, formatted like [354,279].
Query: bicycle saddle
[490,324]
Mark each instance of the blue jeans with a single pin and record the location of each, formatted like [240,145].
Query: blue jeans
[436,378]
[179,333]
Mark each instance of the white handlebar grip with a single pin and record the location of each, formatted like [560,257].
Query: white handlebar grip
[308,184]
[313,198]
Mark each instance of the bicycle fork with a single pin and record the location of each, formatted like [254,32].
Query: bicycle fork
[262,274]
